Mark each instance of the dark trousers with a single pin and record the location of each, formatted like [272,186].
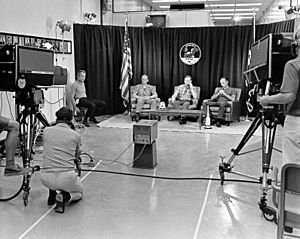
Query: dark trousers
[221,104]
[91,105]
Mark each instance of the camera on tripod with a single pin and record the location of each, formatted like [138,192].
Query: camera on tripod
[25,69]
[268,58]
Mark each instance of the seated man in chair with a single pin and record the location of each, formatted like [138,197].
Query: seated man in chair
[220,98]
[181,99]
[79,98]
[144,93]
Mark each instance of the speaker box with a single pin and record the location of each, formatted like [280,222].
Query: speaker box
[187,6]
[156,20]
[145,156]
[145,132]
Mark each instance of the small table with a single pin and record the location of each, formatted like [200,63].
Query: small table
[176,112]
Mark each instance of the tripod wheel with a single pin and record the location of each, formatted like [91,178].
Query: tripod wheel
[269,214]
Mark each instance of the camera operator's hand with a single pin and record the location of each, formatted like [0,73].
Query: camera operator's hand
[264,100]
[77,110]
[221,92]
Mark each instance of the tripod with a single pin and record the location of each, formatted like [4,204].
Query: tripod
[268,118]
[29,120]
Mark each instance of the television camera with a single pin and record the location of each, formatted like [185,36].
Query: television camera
[25,71]
[268,58]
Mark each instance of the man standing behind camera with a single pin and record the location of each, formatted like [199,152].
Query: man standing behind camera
[290,95]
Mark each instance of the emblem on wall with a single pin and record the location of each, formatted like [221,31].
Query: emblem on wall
[190,53]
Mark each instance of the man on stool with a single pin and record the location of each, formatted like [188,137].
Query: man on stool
[79,98]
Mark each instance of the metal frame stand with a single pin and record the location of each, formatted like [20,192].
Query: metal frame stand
[28,120]
[268,118]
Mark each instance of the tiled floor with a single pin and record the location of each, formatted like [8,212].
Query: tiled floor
[131,207]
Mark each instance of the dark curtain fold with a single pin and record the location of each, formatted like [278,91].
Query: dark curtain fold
[155,52]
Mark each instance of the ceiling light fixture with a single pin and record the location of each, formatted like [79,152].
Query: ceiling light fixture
[236,18]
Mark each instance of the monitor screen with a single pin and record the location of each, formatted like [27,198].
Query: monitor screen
[260,52]
[32,60]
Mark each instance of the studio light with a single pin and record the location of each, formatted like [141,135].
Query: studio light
[64,25]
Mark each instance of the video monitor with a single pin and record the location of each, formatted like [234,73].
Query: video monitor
[37,65]
[260,52]
[33,60]
[268,58]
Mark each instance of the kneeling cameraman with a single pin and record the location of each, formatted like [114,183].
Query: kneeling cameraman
[61,150]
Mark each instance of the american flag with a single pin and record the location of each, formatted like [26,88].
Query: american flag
[126,69]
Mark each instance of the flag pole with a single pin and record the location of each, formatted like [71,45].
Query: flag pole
[126,70]
[128,106]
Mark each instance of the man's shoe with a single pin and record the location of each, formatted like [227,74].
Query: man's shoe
[94,120]
[52,197]
[182,120]
[61,198]
[137,117]
[86,124]
[14,171]
[288,229]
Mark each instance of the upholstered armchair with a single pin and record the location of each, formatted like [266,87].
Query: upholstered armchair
[194,104]
[233,111]
[146,107]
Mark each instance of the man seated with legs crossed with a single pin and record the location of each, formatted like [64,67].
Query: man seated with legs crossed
[61,152]
[220,98]
[11,141]
[79,98]
[145,94]
[181,99]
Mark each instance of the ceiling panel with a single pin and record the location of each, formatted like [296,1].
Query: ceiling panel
[223,12]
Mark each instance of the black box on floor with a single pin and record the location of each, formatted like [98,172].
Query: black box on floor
[145,156]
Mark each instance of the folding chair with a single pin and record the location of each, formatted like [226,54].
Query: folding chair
[287,199]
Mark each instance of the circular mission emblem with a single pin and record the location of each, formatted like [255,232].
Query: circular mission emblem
[190,53]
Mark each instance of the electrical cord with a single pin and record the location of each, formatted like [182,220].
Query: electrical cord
[137,157]
[55,102]
[37,168]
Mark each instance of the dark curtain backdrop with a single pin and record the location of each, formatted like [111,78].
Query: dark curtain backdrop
[155,52]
